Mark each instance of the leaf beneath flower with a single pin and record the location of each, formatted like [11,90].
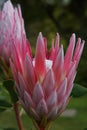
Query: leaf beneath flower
[78,90]
[4,105]
[9,85]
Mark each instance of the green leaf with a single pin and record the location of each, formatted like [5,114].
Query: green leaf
[78,90]
[85,129]
[4,105]
[9,85]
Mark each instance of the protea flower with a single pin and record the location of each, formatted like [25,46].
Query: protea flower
[44,83]
[11,30]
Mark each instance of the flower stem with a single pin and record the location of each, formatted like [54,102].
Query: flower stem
[19,122]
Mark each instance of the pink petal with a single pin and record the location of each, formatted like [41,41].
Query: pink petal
[61,104]
[14,71]
[37,93]
[40,66]
[25,48]
[41,108]
[77,46]
[71,73]
[0,14]
[21,19]
[52,100]
[8,16]
[6,53]
[48,83]
[45,44]
[20,91]
[70,84]
[23,85]
[28,48]
[19,12]
[31,112]
[52,52]
[58,65]
[78,51]
[70,80]
[17,31]
[53,113]
[28,100]
[69,52]
[62,89]
[16,57]
[57,44]
[29,73]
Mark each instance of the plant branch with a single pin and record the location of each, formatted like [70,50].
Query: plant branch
[19,122]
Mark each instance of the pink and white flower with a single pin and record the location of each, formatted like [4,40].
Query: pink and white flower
[11,29]
[44,83]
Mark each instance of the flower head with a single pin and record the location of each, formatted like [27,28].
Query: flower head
[11,30]
[44,83]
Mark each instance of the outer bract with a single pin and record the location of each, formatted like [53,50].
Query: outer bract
[44,83]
